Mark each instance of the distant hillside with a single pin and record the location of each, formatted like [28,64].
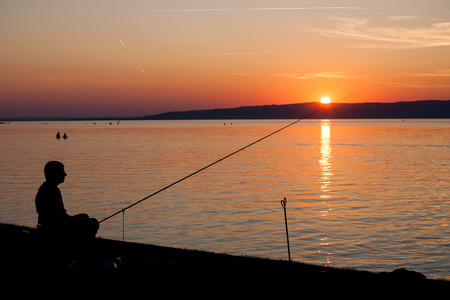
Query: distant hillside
[426,109]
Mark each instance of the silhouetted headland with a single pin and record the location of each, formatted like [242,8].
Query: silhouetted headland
[423,109]
[427,109]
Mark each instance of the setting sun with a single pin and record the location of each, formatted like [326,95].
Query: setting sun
[325,100]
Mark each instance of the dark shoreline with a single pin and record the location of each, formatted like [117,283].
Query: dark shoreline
[25,260]
[425,109]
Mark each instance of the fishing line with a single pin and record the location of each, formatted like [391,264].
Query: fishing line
[223,158]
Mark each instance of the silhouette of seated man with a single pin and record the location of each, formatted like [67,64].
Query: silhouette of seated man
[53,218]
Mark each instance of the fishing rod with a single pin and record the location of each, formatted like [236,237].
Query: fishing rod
[223,158]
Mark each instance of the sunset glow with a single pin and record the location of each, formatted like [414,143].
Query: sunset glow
[114,58]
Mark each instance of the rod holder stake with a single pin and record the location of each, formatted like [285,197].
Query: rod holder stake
[284,203]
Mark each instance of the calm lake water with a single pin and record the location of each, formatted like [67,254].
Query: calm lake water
[365,194]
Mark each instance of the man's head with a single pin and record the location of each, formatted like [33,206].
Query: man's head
[54,172]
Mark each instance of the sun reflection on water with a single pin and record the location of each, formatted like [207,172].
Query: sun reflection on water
[325,159]
[325,179]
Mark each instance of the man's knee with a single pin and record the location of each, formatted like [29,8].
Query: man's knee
[93,225]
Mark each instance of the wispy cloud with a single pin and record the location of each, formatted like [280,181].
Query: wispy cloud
[332,74]
[412,84]
[33,69]
[232,53]
[123,44]
[403,18]
[142,70]
[240,53]
[329,74]
[288,75]
[436,73]
[258,9]
[421,80]
[437,34]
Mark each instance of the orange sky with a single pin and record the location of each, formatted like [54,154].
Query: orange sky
[134,58]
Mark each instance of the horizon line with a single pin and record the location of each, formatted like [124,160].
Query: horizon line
[259,9]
